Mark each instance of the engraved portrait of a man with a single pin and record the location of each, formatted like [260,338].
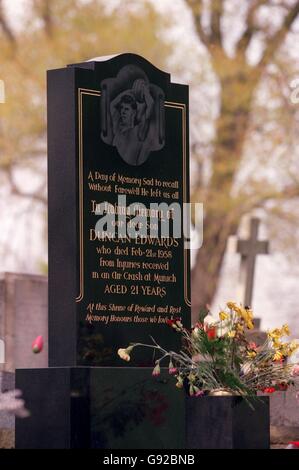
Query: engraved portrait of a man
[133,121]
[131,112]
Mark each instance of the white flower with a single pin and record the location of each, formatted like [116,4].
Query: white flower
[195,332]
[125,353]
[246,368]
[11,402]
[209,320]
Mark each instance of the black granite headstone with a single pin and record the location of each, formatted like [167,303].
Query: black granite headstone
[100,408]
[117,136]
[117,128]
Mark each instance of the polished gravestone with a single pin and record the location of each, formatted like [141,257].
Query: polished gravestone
[100,408]
[116,128]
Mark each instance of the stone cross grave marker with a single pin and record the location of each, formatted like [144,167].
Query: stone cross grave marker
[249,249]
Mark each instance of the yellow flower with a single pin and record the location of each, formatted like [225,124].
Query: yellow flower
[275,334]
[290,348]
[240,328]
[276,344]
[231,334]
[277,356]
[246,314]
[279,332]
[223,316]
[249,325]
[294,345]
[285,330]
[251,354]
[233,306]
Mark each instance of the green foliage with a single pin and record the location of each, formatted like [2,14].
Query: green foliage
[203,312]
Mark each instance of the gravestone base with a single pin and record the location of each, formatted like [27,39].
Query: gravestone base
[126,408]
[228,423]
[102,408]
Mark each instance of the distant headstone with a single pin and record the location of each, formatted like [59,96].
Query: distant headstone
[7,420]
[23,316]
[248,250]
[285,409]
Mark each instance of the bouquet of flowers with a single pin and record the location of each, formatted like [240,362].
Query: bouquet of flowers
[218,359]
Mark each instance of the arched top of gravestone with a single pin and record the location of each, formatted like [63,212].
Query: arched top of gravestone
[111,64]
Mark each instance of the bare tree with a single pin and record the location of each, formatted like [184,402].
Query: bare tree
[238,82]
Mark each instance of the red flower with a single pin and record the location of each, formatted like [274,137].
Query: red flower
[172,322]
[211,332]
[269,390]
[283,387]
[294,444]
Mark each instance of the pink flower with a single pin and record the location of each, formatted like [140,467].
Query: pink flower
[38,344]
[171,369]
[252,345]
[295,370]
[200,393]
[156,370]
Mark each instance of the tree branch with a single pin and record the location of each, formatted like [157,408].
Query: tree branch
[8,32]
[196,9]
[216,14]
[35,196]
[250,24]
[288,193]
[276,41]
[43,9]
